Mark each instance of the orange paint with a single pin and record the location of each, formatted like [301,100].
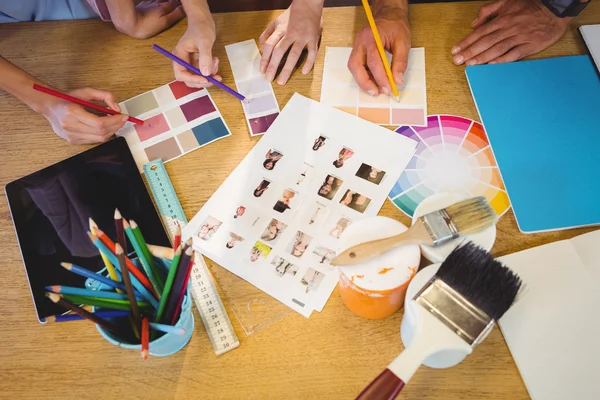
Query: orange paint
[384,270]
[373,304]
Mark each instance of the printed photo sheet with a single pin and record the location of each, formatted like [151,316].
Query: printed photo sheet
[276,219]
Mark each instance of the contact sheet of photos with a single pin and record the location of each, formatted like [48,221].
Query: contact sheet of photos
[276,220]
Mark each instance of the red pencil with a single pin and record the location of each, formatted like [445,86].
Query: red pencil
[177,238]
[138,274]
[145,337]
[84,103]
[183,290]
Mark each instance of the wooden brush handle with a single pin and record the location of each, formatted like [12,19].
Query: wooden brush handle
[385,387]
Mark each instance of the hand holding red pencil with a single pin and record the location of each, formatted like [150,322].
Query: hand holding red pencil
[78,126]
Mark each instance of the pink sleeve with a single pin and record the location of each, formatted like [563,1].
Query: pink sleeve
[99,6]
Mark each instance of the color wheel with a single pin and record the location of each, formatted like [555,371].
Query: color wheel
[453,155]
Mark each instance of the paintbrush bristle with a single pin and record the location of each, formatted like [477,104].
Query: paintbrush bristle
[481,279]
[472,215]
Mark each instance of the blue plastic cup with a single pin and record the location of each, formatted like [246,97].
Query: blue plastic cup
[168,343]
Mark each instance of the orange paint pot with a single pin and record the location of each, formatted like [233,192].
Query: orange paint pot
[376,289]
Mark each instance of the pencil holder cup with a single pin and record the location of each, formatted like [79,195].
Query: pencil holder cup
[168,343]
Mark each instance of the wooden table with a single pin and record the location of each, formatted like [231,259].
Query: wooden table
[331,355]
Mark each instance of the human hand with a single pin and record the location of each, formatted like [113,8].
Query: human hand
[154,17]
[394,30]
[297,28]
[508,30]
[76,125]
[195,47]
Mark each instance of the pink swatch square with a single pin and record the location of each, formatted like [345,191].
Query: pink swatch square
[153,126]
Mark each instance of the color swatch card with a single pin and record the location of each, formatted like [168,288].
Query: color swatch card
[453,155]
[179,119]
[276,219]
[262,109]
[339,89]
[545,136]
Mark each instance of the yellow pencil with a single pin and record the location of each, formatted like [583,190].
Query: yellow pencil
[109,267]
[384,59]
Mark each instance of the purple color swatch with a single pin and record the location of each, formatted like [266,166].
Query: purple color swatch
[197,108]
[261,124]
[261,104]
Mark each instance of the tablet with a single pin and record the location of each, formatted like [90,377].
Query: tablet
[50,211]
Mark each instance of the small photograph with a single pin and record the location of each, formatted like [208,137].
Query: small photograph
[306,171]
[273,231]
[329,187]
[312,279]
[299,245]
[339,227]
[234,239]
[324,255]
[344,155]
[259,250]
[261,188]
[314,213]
[283,266]
[355,201]
[271,159]
[208,228]
[319,142]
[371,174]
[239,212]
[285,202]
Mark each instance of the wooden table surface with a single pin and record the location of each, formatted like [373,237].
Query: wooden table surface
[332,355]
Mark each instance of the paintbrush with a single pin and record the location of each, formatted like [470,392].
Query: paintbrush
[433,229]
[455,311]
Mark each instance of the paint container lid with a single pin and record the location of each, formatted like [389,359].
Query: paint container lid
[484,239]
[388,271]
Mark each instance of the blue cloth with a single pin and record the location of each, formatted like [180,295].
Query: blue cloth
[44,10]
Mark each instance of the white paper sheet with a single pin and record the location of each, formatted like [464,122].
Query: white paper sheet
[347,149]
[341,91]
[553,330]
[263,108]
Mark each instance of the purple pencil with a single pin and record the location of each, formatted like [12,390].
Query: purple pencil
[197,71]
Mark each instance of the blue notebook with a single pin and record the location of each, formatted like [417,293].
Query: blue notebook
[542,118]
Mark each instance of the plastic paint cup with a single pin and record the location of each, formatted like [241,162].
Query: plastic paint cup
[376,288]
[168,343]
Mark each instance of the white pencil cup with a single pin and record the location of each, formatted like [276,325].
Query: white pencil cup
[442,359]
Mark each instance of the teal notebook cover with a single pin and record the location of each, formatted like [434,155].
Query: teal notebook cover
[542,119]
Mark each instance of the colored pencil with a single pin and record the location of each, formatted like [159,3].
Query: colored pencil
[145,337]
[146,253]
[177,285]
[140,254]
[177,236]
[106,303]
[182,291]
[120,231]
[161,251]
[111,270]
[56,298]
[126,279]
[380,48]
[139,280]
[167,328]
[77,317]
[101,294]
[197,71]
[89,274]
[84,103]
[169,283]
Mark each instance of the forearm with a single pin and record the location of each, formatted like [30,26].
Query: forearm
[197,11]
[20,84]
[123,15]
[390,7]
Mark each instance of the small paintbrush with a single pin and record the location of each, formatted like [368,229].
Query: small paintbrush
[456,310]
[433,229]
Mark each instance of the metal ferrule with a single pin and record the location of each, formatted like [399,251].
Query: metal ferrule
[440,227]
[454,311]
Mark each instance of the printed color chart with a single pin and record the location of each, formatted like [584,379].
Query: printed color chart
[179,119]
[341,91]
[262,109]
[453,155]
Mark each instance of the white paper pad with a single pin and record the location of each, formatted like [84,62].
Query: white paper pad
[591,36]
[553,330]
[341,91]
[262,109]
[301,211]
